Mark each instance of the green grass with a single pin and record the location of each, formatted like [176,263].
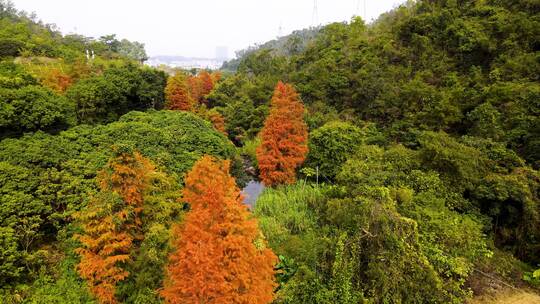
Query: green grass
[287,218]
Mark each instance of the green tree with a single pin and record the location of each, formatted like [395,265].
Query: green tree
[10,256]
[331,145]
[133,50]
[33,108]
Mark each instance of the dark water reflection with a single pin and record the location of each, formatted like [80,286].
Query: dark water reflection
[251,192]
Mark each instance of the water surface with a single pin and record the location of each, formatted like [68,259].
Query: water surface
[251,192]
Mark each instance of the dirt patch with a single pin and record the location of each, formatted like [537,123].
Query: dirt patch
[509,296]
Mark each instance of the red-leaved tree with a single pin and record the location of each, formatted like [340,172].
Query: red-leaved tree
[217,120]
[207,83]
[188,94]
[177,94]
[201,85]
[111,223]
[220,255]
[284,138]
[194,85]
[56,80]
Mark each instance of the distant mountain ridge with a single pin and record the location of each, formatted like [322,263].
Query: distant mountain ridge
[287,45]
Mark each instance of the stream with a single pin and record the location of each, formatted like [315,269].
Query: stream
[251,192]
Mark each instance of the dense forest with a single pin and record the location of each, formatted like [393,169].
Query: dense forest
[400,161]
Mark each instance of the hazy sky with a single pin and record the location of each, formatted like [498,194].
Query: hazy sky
[196,27]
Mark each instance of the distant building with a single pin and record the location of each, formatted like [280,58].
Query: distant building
[222,53]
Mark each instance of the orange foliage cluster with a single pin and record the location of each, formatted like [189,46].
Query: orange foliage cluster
[216,76]
[217,120]
[105,246]
[284,138]
[188,94]
[202,84]
[111,223]
[177,94]
[212,115]
[129,177]
[220,255]
[56,80]
[194,88]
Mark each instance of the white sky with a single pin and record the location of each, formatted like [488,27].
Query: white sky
[195,27]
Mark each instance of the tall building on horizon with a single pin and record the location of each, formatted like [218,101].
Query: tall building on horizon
[222,53]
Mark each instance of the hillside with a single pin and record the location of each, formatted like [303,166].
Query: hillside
[399,161]
[50,82]
[287,45]
[431,109]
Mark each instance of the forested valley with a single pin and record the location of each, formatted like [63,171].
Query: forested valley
[399,158]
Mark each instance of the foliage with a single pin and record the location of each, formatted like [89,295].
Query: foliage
[498,183]
[177,94]
[438,67]
[201,85]
[14,76]
[189,94]
[249,151]
[214,117]
[283,139]
[162,208]
[23,33]
[10,47]
[105,245]
[243,102]
[331,145]
[286,216]
[133,50]
[58,282]
[9,269]
[45,178]
[111,223]
[533,277]
[466,68]
[57,80]
[291,44]
[33,108]
[58,62]
[513,203]
[217,120]
[289,215]
[397,211]
[425,122]
[121,89]
[219,236]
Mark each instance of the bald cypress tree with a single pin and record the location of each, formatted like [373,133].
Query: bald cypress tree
[111,223]
[177,94]
[220,254]
[284,138]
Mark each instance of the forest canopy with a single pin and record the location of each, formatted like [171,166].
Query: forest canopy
[399,161]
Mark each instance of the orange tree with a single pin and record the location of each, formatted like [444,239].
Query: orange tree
[213,116]
[207,83]
[111,223]
[177,94]
[284,138]
[216,77]
[201,85]
[187,94]
[56,80]
[195,88]
[220,254]
[217,120]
